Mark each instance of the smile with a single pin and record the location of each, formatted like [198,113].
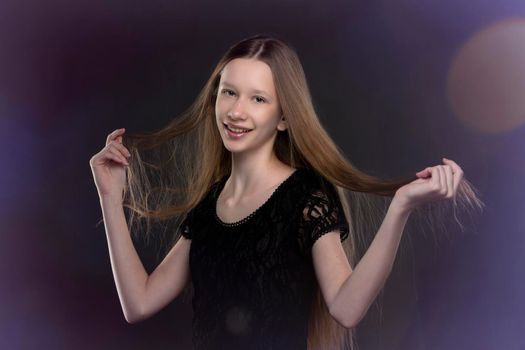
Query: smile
[235,133]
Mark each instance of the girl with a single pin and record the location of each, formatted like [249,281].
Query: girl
[267,211]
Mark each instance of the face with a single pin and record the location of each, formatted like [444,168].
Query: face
[246,99]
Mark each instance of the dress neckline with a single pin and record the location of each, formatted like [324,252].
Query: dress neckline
[220,186]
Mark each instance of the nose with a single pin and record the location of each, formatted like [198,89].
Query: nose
[237,110]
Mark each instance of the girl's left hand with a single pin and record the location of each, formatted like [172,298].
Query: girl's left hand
[433,183]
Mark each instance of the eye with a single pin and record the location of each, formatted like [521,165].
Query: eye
[261,99]
[227,91]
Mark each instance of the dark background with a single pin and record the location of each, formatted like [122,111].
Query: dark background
[398,85]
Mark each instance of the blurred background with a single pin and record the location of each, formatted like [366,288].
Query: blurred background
[399,84]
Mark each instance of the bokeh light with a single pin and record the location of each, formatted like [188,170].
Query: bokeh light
[486,80]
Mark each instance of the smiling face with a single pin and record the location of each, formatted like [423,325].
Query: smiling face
[246,98]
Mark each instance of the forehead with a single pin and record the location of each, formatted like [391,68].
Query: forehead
[248,74]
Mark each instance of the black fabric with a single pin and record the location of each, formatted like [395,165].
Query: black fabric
[253,280]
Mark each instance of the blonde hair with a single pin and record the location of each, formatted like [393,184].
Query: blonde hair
[172,169]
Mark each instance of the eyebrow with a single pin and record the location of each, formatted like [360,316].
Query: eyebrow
[253,90]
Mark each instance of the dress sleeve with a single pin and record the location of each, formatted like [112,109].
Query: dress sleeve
[321,212]
[191,222]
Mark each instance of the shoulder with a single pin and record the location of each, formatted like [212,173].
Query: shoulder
[319,210]
[192,219]
[311,183]
[315,195]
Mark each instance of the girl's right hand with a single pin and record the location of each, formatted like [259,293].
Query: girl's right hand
[108,166]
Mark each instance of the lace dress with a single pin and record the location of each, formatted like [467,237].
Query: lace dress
[253,280]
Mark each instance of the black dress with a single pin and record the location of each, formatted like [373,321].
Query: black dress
[254,280]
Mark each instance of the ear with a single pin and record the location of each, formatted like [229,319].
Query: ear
[282,126]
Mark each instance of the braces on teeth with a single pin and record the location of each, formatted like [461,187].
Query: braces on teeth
[237,130]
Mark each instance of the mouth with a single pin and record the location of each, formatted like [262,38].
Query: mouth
[236,132]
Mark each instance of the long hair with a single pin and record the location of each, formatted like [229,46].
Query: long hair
[172,169]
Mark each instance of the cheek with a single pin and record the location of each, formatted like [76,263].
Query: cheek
[219,111]
[220,108]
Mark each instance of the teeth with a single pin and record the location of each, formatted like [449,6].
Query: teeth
[237,130]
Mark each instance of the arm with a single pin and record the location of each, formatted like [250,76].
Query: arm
[348,293]
[141,295]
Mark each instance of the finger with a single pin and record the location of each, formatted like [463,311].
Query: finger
[456,170]
[114,134]
[450,181]
[434,179]
[114,157]
[442,180]
[119,153]
[116,152]
[423,173]
[455,167]
[123,150]
[458,175]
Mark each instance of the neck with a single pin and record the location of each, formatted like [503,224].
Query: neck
[255,172]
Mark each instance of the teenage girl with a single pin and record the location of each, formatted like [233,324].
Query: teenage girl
[263,194]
